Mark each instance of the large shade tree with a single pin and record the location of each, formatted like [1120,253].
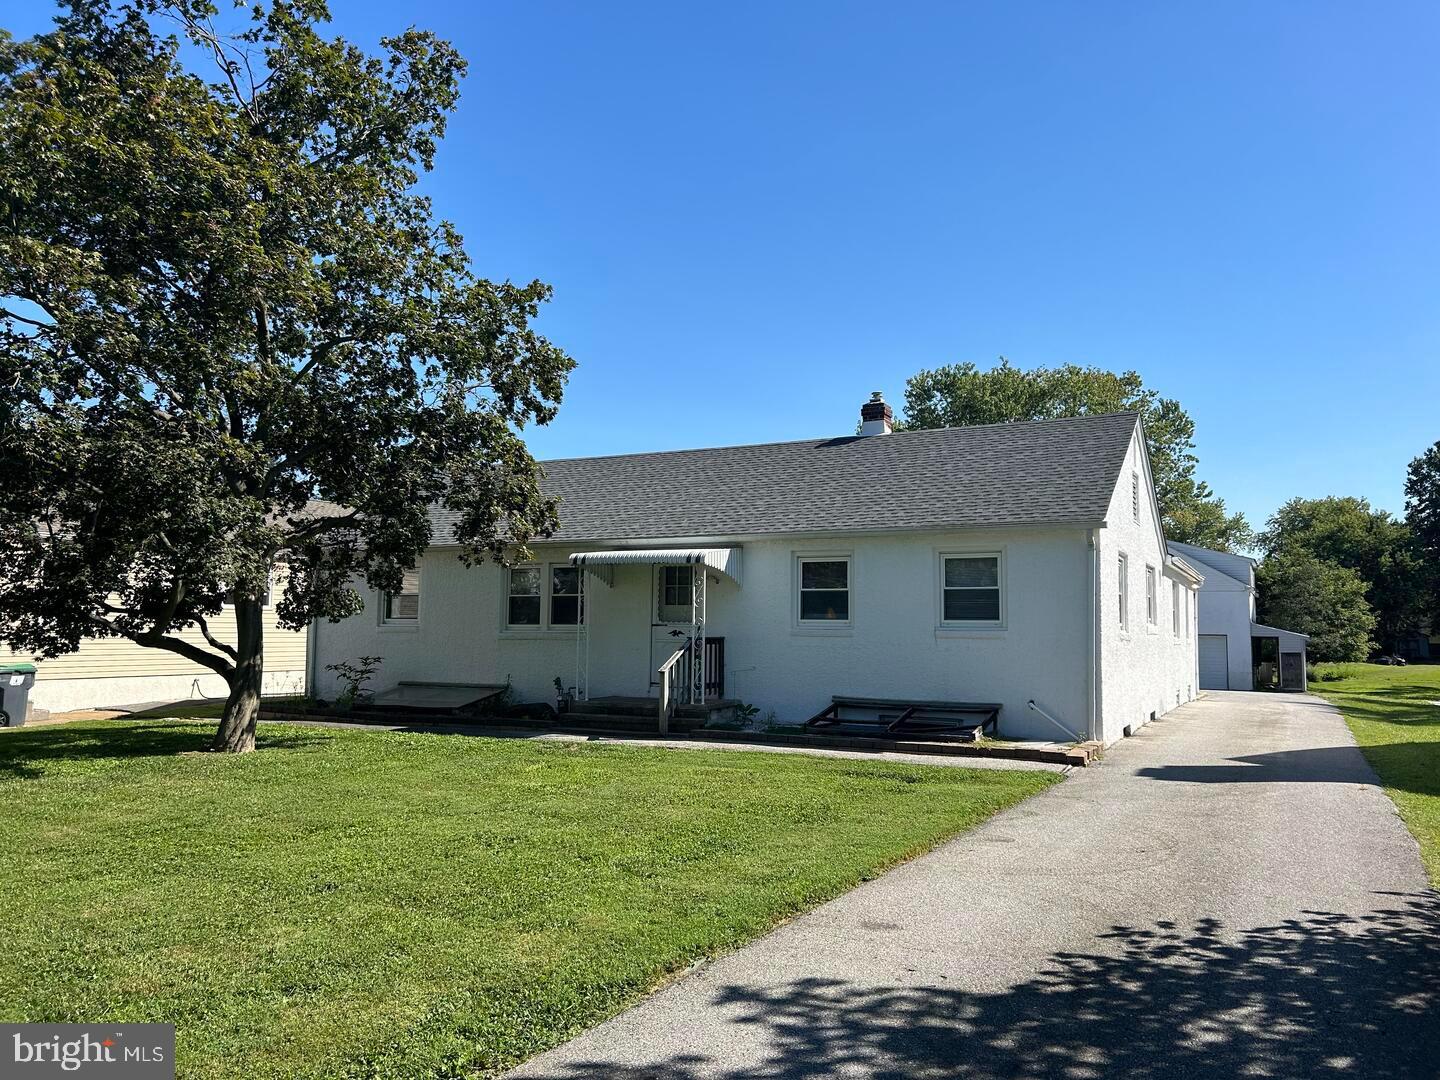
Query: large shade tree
[963,394]
[222,298]
[1349,532]
[1422,514]
[1311,596]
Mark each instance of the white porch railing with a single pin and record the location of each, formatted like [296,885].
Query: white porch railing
[668,673]
[683,675]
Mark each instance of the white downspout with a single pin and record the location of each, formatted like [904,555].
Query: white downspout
[312,658]
[1092,669]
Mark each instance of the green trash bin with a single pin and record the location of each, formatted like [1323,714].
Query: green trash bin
[15,683]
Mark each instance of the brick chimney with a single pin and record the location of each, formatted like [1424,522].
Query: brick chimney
[876,418]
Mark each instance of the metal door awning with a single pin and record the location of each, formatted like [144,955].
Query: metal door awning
[723,561]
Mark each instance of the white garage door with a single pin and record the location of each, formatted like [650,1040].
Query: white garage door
[1214,662]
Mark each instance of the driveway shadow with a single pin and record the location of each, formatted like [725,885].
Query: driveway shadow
[1320,995]
[1413,766]
[1320,765]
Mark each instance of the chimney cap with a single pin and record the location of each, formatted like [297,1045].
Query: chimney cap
[876,417]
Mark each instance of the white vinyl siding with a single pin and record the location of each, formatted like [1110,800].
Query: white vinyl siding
[970,590]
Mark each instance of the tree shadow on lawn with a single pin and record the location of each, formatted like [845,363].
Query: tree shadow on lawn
[1320,995]
[23,749]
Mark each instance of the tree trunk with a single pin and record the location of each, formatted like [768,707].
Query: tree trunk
[236,734]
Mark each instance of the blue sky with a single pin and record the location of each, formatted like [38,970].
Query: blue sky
[755,214]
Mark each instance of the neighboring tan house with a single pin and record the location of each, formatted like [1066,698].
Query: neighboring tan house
[1236,652]
[114,671]
[1019,564]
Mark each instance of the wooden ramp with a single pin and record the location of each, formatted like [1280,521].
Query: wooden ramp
[962,721]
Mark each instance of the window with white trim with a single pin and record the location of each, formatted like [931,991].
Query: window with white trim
[523,596]
[970,590]
[1188,617]
[1175,608]
[1124,592]
[1152,600]
[544,596]
[567,585]
[675,585]
[403,606]
[824,591]
[1135,495]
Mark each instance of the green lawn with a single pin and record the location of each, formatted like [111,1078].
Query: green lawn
[352,903]
[1393,714]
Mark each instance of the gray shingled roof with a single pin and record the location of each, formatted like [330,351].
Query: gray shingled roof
[1036,473]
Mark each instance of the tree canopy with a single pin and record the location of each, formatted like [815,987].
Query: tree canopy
[1349,532]
[962,394]
[1311,596]
[221,298]
[1422,514]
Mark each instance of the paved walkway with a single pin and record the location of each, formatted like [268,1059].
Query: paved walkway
[1228,895]
[488,732]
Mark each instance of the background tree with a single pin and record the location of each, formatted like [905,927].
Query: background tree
[1422,514]
[961,394]
[219,301]
[1349,532]
[1311,596]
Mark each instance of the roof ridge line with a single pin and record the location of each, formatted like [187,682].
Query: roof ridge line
[835,438]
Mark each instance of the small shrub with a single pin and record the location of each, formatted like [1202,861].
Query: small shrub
[499,704]
[355,676]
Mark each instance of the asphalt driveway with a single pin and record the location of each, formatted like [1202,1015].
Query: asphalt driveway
[1228,894]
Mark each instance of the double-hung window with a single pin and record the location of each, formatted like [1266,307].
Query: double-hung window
[1124,592]
[970,591]
[524,596]
[1175,608]
[548,595]
[1152,602]
[403,607]
[824,591]
[566,584]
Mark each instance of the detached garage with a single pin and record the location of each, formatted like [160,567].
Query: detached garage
[1214,660]
[1235,651]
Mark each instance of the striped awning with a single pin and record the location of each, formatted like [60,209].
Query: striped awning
[724,561]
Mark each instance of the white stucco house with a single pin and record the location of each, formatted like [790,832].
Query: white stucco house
[1008,563]
[1236,652]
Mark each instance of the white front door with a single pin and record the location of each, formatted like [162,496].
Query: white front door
[671,610]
